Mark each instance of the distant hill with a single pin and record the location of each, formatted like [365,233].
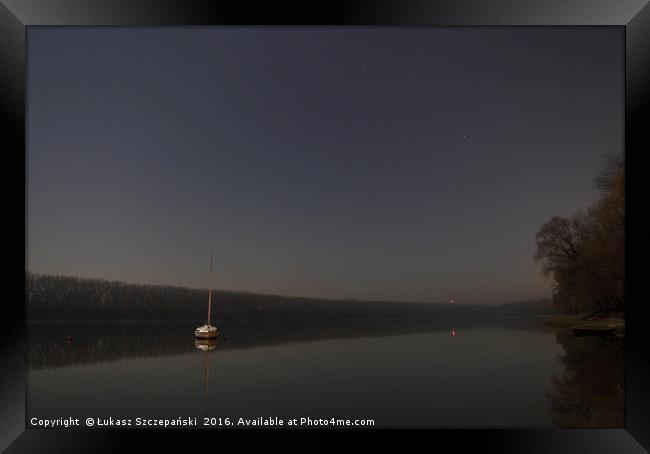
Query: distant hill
[542,306]
[69,298]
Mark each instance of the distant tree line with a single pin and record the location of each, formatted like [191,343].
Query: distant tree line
[540,306]
[52,297]
[585,254]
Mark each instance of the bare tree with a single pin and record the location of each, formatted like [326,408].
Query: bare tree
[585,255]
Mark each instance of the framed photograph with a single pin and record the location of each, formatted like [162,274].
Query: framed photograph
[393,222]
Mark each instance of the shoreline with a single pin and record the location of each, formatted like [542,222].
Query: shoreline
[596,325]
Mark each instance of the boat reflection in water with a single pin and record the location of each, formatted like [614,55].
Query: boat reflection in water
[206,346]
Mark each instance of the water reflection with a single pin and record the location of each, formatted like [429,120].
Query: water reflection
[206,346]
[417,373]
[590,390]
[102,342]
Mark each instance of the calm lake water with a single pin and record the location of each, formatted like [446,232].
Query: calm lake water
[510,372]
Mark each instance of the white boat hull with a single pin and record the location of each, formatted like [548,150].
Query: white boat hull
[206,332]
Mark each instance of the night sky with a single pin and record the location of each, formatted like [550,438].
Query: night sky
[369,163]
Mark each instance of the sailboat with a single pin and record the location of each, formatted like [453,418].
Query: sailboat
[208,331]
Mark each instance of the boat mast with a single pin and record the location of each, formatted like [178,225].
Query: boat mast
[210,292]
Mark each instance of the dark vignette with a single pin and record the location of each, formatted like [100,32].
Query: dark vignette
[351,12]
[637,138]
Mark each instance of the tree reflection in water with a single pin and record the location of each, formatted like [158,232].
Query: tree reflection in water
[94,343]
[590,392]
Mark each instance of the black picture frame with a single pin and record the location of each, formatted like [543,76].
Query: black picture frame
[633,15]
